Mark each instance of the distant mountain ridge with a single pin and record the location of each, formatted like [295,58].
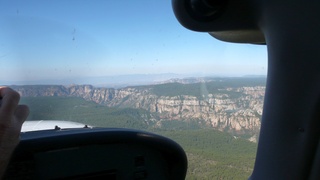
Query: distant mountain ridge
[115,81]
[233,105]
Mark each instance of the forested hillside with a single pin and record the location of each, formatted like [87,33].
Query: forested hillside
[232,105]
[208,86]
[215,155]
[211,154]
[90,113]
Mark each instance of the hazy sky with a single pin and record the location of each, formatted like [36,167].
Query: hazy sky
[55,39]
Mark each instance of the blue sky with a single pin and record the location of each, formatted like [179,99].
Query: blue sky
[60,39]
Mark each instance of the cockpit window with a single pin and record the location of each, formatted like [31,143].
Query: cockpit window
[130,64]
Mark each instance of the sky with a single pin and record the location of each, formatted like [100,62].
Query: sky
[43,40]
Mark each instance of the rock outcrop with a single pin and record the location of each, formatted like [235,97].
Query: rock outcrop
[221,110]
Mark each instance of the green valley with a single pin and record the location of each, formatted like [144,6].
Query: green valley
[211,154]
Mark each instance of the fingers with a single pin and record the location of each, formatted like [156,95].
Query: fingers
[9,101]
[12,115]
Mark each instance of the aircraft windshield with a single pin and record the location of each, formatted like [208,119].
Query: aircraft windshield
[131,64]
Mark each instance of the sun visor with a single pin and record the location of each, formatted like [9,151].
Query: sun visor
[226,20]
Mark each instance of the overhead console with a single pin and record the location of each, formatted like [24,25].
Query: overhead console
[99,153]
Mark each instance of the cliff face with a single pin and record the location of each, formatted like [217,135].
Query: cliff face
[222,110]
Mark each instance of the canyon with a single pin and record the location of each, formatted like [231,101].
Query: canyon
[219,104]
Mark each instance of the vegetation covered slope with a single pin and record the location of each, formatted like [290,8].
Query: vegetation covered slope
[86,112]
[215,155]
[199,89]
[233,105]
[211,154]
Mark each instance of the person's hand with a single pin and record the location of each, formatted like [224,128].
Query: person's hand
[12,117]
